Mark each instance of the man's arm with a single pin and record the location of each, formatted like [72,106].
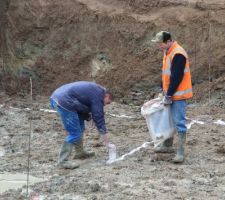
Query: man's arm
[97,110]
[177,73]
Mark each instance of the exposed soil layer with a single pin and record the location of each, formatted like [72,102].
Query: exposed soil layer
[56,42]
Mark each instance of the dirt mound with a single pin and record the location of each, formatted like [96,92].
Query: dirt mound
[108,42]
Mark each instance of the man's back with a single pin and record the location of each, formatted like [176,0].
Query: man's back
[79,96]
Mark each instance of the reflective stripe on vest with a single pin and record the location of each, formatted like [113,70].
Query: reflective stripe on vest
[168,70]
[182,92]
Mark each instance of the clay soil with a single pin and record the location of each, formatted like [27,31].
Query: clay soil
[53,42]
[142,175]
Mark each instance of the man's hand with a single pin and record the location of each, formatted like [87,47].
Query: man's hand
[167,100]
[160,95]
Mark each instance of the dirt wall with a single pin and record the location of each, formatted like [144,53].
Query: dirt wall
[108,42]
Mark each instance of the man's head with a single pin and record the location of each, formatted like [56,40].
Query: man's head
[163,39]
[108,97]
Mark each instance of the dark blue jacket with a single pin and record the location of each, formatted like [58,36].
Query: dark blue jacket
[83,97]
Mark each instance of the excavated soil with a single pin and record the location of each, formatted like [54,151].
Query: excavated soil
[46,43]
[56,42]
[142,175]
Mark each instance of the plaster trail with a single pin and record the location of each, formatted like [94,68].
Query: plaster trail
[194,122]
[122,116]
[144,145]
[48,110]
[220,122]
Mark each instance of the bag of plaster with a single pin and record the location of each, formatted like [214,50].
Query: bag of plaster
[159,120]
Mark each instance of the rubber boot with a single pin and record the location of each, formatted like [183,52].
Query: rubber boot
[80,152]
[165,147]
[64,155]
[179,158]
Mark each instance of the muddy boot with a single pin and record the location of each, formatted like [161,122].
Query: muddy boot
[179,158]
[64,155]
[80,152]
[165,147]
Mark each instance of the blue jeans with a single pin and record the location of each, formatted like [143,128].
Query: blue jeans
[178,110]
[72,123]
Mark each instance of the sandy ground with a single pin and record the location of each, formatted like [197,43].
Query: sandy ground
[143,175]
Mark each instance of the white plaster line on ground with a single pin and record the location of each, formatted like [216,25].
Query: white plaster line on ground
[194,122]
[198,122]
[145,145]
[220,122]
[19,108]
[122,116]
[189,125]
[15,108]
[44,110]
[2,152]
[48,110]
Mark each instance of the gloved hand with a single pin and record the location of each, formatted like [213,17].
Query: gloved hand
[160,95]
[85,116]
[167,100]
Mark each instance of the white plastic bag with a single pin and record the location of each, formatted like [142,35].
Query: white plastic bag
[159,120]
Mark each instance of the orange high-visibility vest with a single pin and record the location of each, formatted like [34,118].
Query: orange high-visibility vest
[184,90]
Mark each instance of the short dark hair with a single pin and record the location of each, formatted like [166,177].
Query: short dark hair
[107,91]
[166,36]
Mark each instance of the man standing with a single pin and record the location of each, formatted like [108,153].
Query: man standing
[76,102]
[177,87]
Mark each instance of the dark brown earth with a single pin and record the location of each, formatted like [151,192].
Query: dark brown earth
[52,42]
[107,41]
